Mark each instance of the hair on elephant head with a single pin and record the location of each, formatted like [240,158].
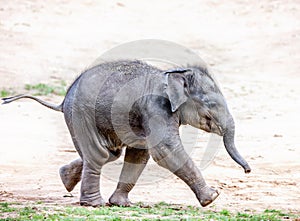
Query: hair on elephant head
[195,95]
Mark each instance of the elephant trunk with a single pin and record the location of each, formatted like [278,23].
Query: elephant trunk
[228,139]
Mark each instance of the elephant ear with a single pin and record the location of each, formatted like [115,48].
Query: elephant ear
[176,87]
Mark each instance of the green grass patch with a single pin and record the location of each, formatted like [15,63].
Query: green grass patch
[5,208]
[6,92]
[45,89]
[160,211]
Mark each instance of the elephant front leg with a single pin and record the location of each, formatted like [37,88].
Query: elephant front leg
[172,156]
[191,175]
[134,163]
[90,186]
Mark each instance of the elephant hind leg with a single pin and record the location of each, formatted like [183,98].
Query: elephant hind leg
[70,174]
[90,186]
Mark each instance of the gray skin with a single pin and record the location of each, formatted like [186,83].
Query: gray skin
[132,105]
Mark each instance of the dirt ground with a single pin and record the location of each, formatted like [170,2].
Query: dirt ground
[252,48]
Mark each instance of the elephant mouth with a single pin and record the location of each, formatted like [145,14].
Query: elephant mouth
[209,124]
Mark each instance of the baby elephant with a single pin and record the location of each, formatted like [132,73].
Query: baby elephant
[133,105]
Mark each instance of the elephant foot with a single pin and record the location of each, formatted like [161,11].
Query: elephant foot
[120,199]
[96,202]
[208,195]
[70,174]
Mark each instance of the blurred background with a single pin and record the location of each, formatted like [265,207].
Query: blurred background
[252,47]
[60,38]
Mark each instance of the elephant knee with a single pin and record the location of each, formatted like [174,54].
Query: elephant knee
[159,159]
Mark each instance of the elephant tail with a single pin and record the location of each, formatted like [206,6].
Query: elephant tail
[17,97]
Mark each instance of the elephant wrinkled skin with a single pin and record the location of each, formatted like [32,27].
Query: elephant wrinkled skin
[132,105]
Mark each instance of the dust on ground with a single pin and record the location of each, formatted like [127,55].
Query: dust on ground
[251,47]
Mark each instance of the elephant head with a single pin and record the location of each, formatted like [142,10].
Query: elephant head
[197,99]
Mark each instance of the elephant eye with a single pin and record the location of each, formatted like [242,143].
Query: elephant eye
[212,104]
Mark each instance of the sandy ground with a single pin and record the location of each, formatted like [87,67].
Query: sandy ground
[252,48]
